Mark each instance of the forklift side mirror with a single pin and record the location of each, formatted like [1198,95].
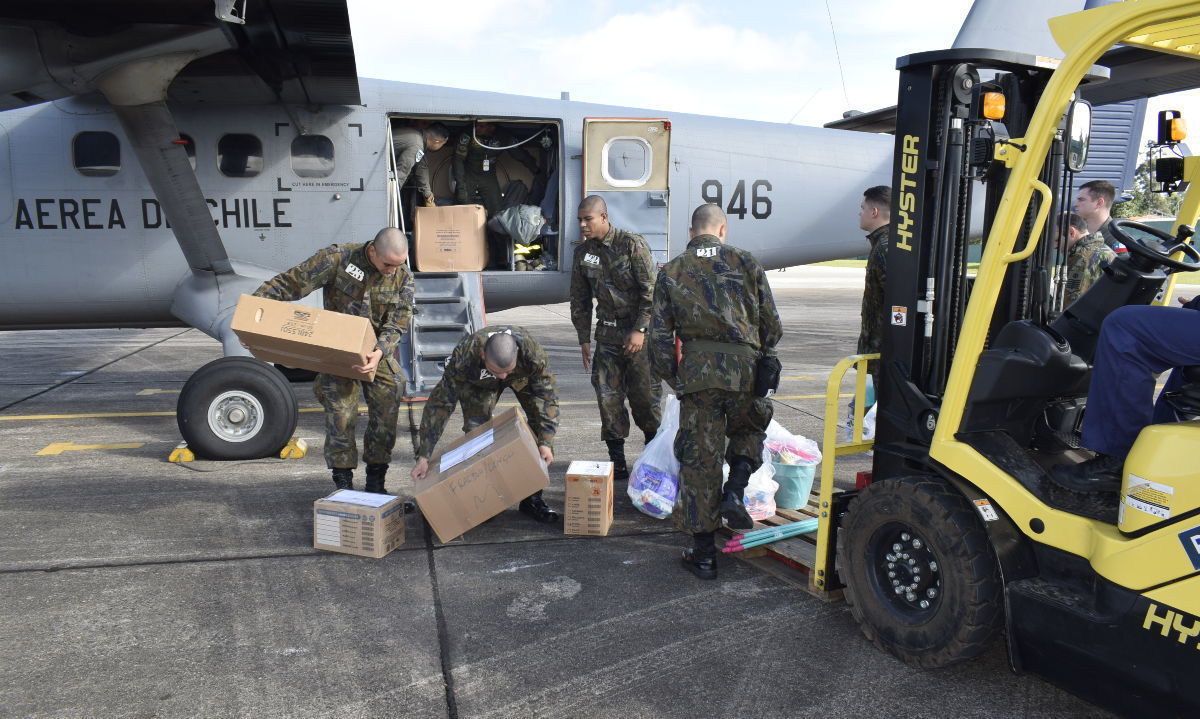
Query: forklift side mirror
[1079,135]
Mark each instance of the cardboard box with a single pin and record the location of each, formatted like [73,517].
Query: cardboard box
[368,525]
[450,239]
[304,337]
[484,472]
[589,498]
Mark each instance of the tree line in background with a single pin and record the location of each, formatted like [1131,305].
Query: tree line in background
[1145,202]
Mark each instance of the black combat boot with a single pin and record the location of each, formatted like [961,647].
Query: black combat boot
[702,559]
[375,476]
[343,478]
[535,507]
[733,506]
[616,453]
[1101,473]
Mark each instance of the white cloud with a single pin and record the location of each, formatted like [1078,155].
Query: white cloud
[684,36]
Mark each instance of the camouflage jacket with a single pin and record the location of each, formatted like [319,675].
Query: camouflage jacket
[465,373]
[1086,261]
[617,272]
[870,335]
[712,293]
[409,146]
[351,286]
[469,154]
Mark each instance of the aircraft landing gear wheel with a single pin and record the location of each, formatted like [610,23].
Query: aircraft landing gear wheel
[921,577]
[236,408]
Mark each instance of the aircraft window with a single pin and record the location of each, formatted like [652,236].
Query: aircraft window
[312,156]
[97,154]
[239,155]
[190,146]
[626,162]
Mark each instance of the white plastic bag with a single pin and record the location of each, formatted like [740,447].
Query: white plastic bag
[869,423]
[654,481]
[788,448]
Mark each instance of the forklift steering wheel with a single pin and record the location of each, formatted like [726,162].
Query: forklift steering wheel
[1156,246]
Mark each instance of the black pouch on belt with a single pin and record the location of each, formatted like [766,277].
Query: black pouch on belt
[766,376]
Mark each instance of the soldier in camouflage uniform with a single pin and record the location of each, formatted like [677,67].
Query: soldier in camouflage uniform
[716,300]
[475,165]
[410,145]
[1094,204]
[479,369]
[1087,256]
[367,280]
[615,268]
[874,214]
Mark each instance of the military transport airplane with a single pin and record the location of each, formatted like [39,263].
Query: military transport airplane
[159,159]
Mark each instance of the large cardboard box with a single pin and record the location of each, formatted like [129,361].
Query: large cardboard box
[304,337]
[450,239]
[589,498]
[484,472]
[368,525]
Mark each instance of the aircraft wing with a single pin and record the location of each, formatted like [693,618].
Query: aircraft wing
[246,51]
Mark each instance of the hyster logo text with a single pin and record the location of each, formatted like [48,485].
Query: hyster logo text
[1173,625]
[908,197]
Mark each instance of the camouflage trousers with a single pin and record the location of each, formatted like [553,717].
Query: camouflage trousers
[488,188]
[707,418]
[339,397]
[615,376]
[477,408]
[870,343]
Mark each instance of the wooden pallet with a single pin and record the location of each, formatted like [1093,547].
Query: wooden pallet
[790,559]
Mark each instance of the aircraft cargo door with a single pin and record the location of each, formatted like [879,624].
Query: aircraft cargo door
[625,161]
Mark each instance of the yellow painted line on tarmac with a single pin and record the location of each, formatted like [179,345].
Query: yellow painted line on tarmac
[60,447]
[146,392]
[799,376]
[89,415]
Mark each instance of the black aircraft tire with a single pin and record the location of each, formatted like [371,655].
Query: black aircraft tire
[922,536]
[236,408]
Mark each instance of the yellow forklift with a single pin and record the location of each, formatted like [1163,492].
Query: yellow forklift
[962,535]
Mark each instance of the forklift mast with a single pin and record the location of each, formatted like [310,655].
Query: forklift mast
[948,178]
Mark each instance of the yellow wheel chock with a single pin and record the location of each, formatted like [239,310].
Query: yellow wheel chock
[295,449]
[181,454]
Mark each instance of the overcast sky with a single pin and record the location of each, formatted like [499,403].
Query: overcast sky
[772,60]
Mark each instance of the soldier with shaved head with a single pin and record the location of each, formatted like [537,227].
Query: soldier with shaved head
[368,280]
[615,270]
[480,368]
[715,299]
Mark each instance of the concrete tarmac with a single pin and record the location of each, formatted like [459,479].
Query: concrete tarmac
[133,587]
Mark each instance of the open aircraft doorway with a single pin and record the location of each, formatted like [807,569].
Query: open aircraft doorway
[511,167]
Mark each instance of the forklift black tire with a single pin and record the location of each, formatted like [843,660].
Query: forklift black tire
[921,577]
[236,408]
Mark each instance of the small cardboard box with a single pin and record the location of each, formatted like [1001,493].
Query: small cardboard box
[450,239]
[484,472]
[304,337]
[368,525]
[589,498]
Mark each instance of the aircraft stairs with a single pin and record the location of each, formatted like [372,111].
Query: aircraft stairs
[448,306]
